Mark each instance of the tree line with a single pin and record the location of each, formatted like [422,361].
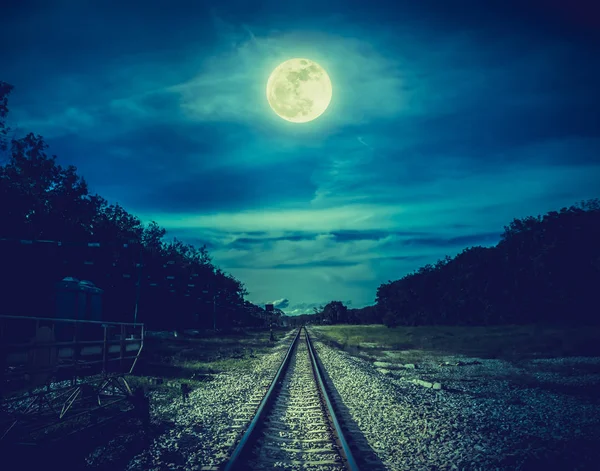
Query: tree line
[335,312]
[545,269]
[52,227]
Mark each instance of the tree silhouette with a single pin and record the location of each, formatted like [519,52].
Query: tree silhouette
[543,270]
[5,90]
[51,227]
[335,313]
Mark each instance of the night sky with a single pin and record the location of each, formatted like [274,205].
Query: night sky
[448,119]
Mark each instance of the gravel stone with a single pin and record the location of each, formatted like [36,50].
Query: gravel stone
[490,415]
[420,382]
[297,413]
[205,428]
[383,364]
[383,371]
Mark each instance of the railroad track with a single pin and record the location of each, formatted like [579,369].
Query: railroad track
[295,425]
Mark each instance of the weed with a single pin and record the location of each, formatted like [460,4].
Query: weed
[512,342]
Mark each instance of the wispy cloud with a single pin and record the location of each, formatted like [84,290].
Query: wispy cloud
[281,303]
[286,219]
[439,131]
[362,141]
[231,84]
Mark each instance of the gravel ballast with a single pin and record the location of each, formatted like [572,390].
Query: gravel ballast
[488,414]
[204,428]
[297,434]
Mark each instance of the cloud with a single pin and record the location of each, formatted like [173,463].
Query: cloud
[459,241]
[442,128]
[280,303]
[231,84]
[350,235]
[316,264]
[248,242]
[303,308]
[261,238]
[285,219]
[308,308]
[56,122]
[362,141]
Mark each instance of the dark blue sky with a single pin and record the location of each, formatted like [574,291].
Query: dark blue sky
[448,119]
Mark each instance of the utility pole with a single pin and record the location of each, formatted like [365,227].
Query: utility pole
[139,285]
[269,312]
[214,311]
[214,291]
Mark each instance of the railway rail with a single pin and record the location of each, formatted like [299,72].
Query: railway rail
[295,425]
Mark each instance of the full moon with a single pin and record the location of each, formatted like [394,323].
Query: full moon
[299,90]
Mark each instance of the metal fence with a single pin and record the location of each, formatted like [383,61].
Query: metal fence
[53,370]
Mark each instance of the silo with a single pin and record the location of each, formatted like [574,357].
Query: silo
[82,301]
[90,298]
[79,300]
[67,292]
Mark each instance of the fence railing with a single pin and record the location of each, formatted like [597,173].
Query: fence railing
[34,350]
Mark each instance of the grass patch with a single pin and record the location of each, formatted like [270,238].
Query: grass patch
[178,360]
[512,342]
[237,363]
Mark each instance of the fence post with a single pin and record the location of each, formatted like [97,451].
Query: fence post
[75,353]
[122,346]
[104,348]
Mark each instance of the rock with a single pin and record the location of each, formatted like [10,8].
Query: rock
[437,386]
[382,364]
[420,382]
[460,363]
[368,345]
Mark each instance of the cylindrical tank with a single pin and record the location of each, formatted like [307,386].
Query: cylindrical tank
[80,300]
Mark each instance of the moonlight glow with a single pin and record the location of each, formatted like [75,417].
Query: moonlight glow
[299,90]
